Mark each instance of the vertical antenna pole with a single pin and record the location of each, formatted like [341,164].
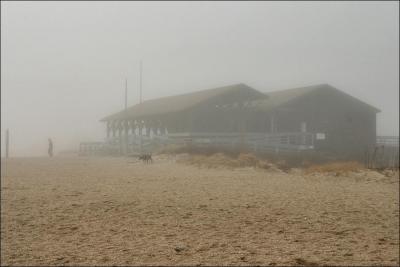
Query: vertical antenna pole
[126,93]
[126,117]
[141,70]
[7,142]
[140,99]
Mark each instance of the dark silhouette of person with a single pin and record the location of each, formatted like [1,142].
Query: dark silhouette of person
[50,151]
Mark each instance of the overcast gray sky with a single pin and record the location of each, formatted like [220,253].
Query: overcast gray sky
[63,64]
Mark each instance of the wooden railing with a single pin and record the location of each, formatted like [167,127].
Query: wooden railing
[254,141]
[384,154]
[387,140]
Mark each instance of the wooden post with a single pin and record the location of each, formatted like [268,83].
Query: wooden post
[133,127]
[148,128]
[120,141]
[114,129]
[140,102]
[108,129]
[140,136]
[126,129]
[272,130]
[7,143]
[126,132]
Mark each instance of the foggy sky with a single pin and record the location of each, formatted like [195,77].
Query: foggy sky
[63,64]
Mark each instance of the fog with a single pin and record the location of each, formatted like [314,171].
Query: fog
[63,64]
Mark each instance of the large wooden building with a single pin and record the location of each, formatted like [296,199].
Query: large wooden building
[337,122]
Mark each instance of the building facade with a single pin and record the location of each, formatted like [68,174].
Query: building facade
[321,116]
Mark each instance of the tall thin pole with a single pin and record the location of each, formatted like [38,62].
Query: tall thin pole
[126,116]
[126,93]
[7,142]
[140,87]
[140,101]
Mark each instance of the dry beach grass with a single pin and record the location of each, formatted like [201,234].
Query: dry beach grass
[180,211]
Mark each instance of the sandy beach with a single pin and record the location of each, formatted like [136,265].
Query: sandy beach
[117,211]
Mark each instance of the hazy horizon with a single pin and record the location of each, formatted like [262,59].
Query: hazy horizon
[64,64]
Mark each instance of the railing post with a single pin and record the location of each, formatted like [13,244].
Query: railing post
[312,140]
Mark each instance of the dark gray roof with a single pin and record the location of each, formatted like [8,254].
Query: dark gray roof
[278,98]
[175,103]
[182,102]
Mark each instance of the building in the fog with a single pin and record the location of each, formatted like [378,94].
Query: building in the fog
[333,120]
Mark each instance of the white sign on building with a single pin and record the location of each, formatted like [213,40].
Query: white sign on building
[320,136]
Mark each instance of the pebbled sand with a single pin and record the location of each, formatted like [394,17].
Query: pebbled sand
[115,211]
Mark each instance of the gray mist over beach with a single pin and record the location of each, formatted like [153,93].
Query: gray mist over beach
[64,64]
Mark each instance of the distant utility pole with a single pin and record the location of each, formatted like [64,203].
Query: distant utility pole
[126,116]
[140,101]
[126,93]
[140,85]
[7,142]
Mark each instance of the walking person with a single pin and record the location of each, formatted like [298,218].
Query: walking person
[50,151]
